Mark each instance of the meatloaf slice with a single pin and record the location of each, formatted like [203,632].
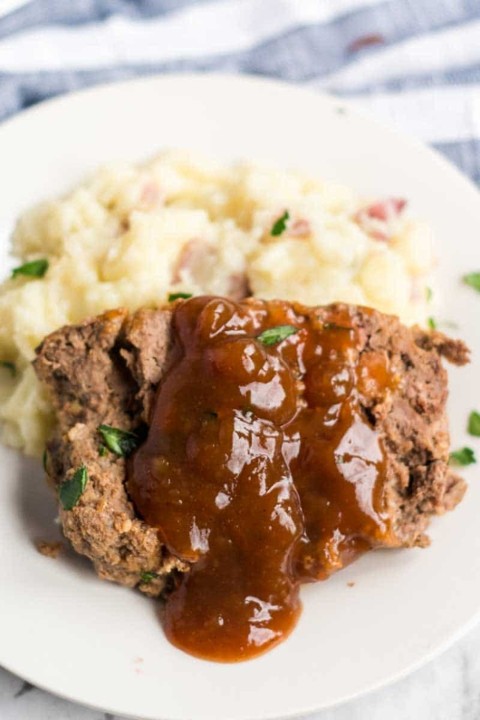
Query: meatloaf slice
[86,370]
[412,422]
[106,370]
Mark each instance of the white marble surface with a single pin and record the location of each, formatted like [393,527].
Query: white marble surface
[446,689]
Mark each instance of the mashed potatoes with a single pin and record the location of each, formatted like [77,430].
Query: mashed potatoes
[133,234]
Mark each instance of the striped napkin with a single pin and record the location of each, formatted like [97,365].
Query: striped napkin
[413,62]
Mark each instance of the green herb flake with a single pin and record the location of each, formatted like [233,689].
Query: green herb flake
[102,450]
[275,335]
[44,460]
[179,296]
[280,225]
[35,268]
[474,423]
[334,326]
[472,279]
[464,456]
[72,489]
[148,576]
[120,442]
[9,366]
[429,294]
[432,323]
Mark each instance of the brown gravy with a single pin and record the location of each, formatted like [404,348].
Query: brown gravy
[260,468]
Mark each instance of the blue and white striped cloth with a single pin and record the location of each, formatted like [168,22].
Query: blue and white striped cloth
[414,62]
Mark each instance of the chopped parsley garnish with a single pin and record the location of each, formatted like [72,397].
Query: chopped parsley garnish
[334,326]
[464,456]
[179,296]
[280,225]
[472,279]
[429,294]
[432,323]
[148,576]
[274,335]
[72,489]
[474,423]
[9,366]
[120,442]
[35,268]
[102,450]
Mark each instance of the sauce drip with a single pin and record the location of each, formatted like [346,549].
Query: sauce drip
[260,467]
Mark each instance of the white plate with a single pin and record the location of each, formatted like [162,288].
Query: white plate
[101,645]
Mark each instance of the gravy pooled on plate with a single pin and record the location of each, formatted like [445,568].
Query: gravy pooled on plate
[261,468]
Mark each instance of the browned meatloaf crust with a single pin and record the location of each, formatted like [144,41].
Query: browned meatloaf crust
[106,369]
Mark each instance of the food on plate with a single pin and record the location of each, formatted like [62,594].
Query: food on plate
[48,548]
[221,453]
[133,234]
